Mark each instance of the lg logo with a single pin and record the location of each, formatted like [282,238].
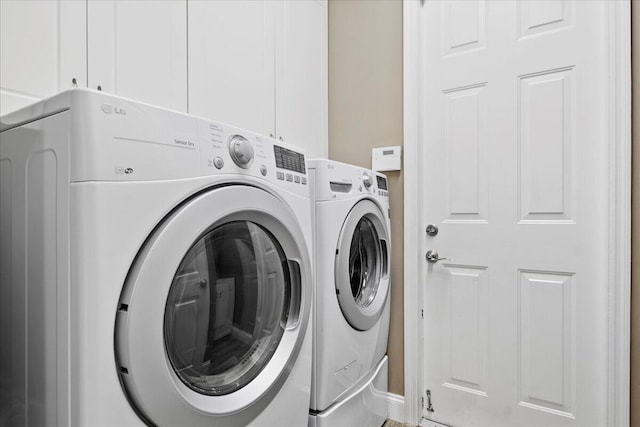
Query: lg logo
[108,109]
[119,170]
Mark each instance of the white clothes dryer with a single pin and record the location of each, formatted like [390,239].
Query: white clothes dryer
[352,239]
[155,269]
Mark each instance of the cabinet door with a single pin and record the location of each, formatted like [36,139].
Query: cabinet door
[138,49]
[42,49]
[301,75]
[232,63]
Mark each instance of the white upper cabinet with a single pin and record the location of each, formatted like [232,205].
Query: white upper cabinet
[138,49]
[262,65]
[232,63]
[42,49]
[259,65]
[301,75]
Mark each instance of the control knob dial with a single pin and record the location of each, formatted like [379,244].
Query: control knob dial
[367,180]
[241,151]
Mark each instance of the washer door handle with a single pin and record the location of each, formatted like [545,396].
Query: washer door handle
[296,294]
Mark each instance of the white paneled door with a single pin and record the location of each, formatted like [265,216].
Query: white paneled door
[515,178]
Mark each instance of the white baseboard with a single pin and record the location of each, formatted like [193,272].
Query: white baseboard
[395,403]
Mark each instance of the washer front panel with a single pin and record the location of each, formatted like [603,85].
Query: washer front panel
[362,265]
[214,311]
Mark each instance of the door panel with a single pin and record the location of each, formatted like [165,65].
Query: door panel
[546,145]
[465,122]
[514,95]
[464,25]
[541,17]
[547,342]
[466,329]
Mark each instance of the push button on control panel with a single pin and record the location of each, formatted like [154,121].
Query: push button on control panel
[218,162]
[289,177]
[304,180]
[280,175]
[296,179]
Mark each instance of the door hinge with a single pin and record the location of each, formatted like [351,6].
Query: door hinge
[429,405]
[422,313]
[422,402]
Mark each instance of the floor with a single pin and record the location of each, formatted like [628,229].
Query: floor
[391,423]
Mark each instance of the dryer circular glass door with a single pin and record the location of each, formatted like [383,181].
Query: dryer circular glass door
[215,309]
[362,265]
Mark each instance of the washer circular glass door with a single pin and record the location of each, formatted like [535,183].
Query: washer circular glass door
[213,313]
[362,265]
[227,307]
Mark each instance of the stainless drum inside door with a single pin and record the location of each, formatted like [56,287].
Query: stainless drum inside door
[214,311]
[362,265]
[228,305]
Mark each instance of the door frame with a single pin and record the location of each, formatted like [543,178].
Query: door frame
[619,193]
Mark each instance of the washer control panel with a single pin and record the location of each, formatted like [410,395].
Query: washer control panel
[226,149]
[383,189]
[293,164]
[150,143]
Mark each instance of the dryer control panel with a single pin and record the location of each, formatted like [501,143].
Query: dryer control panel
[335,180]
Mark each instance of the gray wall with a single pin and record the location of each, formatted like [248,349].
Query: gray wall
[365,111]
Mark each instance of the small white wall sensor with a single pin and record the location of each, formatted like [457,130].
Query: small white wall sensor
[386,158]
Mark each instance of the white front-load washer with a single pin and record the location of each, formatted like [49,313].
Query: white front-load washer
[351,295]
[155,269]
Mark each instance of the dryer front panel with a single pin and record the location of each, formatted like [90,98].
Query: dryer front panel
[215,310]
[362,265]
